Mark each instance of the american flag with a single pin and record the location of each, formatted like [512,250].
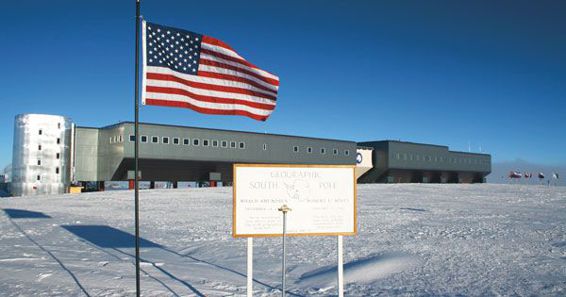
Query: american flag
[186,69]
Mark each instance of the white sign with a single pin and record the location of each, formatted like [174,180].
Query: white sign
[322,199]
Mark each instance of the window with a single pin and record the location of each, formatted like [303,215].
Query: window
[58,140]
[309,150]
[58,125]
[58,155]
[56,170]
[404,156]
[265,146]
[143,138]
[347,152]
[186,141]
[38,162]
[39,177]
[205,142]
[296,149]
[195,141]
[40,132]
[165,140]
[335,151]
[215,143]
[132,138]
[115,138]
[120,139]
[111,139]
[242,145]
[39,147]
[224,143]
[232,144]
[176,140]
[323,151]
[154,139]
[398,156]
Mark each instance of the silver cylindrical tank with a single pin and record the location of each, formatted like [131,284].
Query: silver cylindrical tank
[41,154]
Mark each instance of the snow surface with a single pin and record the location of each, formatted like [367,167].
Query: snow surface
[414,240]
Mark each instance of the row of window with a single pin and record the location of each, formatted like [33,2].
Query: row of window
[322,150]
[207,142]
[429,158]
[193,142]
[116,139]
[40,132]
[216,143]
[56,172]
[58,140]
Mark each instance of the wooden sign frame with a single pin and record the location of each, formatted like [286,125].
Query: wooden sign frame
[234,200]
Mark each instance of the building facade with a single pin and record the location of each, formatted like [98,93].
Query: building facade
[178,153]
[51,153]
[408,162]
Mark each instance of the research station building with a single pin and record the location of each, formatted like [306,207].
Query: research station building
[51,153]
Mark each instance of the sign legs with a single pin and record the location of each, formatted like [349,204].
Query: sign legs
[340,266]
[250,275]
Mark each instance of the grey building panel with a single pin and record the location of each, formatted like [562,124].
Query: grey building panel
[417,156]
[110,151]
[412,161]
[249,147]
[217,148]
[86,154]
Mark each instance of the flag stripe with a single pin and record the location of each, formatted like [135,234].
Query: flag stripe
[237,57]
[206,104]
[211,87]
[223,71]
[214,58]
[228,58]
[238,69]
[217,42]
[218,79]
[234,78]
[209,99]
[208,93]
[205,110]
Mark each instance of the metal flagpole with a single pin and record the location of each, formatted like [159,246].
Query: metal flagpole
[136,148]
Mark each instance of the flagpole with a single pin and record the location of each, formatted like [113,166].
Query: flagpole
[136,149]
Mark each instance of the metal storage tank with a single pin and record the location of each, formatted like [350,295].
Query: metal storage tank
[41,162]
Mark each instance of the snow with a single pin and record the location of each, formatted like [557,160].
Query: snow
[413,239]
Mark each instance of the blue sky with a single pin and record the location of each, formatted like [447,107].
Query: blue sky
[484,73]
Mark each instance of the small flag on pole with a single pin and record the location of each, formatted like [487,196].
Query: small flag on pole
[186,69]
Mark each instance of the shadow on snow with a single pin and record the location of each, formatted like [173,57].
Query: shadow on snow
[25,214]
[108,237]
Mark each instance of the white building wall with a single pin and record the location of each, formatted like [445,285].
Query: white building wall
[41,154]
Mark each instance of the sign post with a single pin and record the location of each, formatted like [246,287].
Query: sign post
[284,209]
[250,269]
[340,266]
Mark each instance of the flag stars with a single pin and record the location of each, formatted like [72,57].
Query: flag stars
[173,49]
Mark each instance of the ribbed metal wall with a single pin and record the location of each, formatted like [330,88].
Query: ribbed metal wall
[41,154]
